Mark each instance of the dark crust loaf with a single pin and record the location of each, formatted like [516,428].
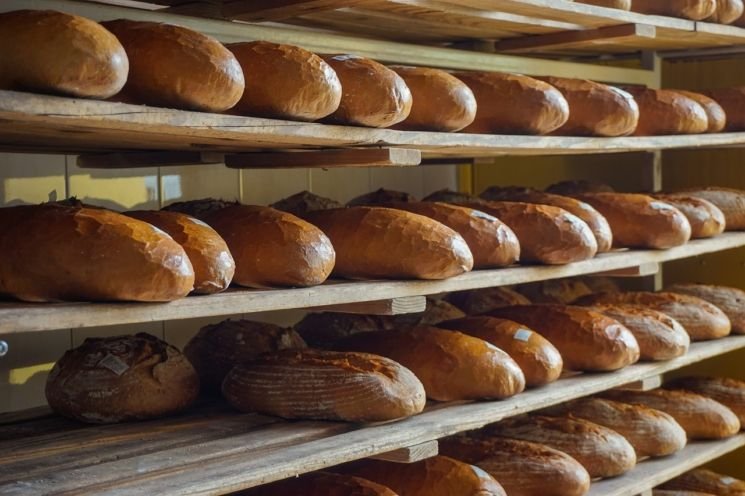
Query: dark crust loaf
[381,196]
[707,481]
[732,100]
[320,484]
[199,209]
[324,328]
[577,186]
[562,291]
[304,202]
[729,300]
[727,391]
[481,301]
[729,200]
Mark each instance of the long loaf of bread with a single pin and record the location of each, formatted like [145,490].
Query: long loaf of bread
[729,300]
[729,392]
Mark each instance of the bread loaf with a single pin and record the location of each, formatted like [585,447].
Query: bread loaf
[603,452]
[451,365]
[53,252]
[640,221]
[209,254]
[667,112]
[700,417]
[715,115]
[441,102]
[373,95]
[216,348]
[320,484]
[285,82]
[375,242]
[481,301]
[171,66]
[301,203]
[730,201]
[381,196]
[523,468]
[707,481]
[696,10]
[601,284]
[562,291]
[663,492]
[53,52]
[578,186]
[596,222]
[651,432]
[324,385]
[729,392]
[450,196]
[727,11]
[437,311]
[199,209]
[324,328]
[701,319]
[613,4]
[273,248]
[595,109]
[587,340]
[436,476]
[732,100]
[705,218]
[120,378]
[514,104]
[660,337]
[539,360]
[729,300]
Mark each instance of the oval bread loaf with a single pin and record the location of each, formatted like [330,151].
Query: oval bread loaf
[732,100]
[707,481]
[324,328]
[727,11]
[54,52]
[574,187]
[320,484]
[481,301]
[714,112]
[730,201]
[382,196]
[562,291]
[696,10]
[663,112]
[729,392]
[199,209]
[729,300]
[705,218]
[324,385]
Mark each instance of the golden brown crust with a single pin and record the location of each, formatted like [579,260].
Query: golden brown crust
[273,248]
[373,95]
[324,385]
[729,300]
[727,11]
[209,254]
[199,209]
[375,242]
[514,104]
[120,378]
[321,484]
[663,112]
[481,301]
[323,329]
[612,4]
[705,218]
[729,392]
[53,52]
[53,252]
[445,103]
[732,101]
[699,416]
[701,319]
[696,10]
[451,365]
[285,82]
[708,481]
[381,196]
[717,119]
[303,202]
[587,340]
[539,360]
[729,200]
[172,66]
[563,291]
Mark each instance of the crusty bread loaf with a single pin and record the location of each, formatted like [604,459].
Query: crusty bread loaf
[595,109]
[53,52]
[285,82]
[199,209]
[320,484]
[707,481]
[481,301]
[587,340]
[382,196]
[613,4]
[705,218]
[651,432]
[436,311]
[216,348]
[539,360]
[700,417]
[375,242]
[301,203]
[120,378]
[172,66]
[324,385]
[514,104]
[729,200]
[727,11]
[209,254]
[729,300]
[436,476]
[449,196]
[601,284]
[441,102]
[715,115]
[574,187]
[664,112]
[640,221]
[373,95]
[554,290]
[523,468]
[324,328]
[732,101]
[55,252]
[729,392]
[597,223]
[660,337]
[701,319]
[603,452]
[696,10]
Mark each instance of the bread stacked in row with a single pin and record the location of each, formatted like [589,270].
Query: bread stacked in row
[718,11]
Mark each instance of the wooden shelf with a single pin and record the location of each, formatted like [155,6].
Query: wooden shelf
[29,317]
[214,451]
[654,472]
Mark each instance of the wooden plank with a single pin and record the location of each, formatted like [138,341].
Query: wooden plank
[275,10]
[642,270]
[393,306]
[136,160]
[654,472]
[350,157]
[410,454]
[613,35]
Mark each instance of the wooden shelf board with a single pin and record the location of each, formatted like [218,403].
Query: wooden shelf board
[654,472]
[28,317]
[213,450]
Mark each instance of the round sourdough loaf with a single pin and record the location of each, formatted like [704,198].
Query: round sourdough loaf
[115,379]
[705,218]
[727,11]
[324,385]
[714,112]
[53,52]
[441,102]
[707,481]
[729,300]
[209,254]
[285,82]
[172,66]
[664,112]
[480,301]
[729,200]
[696,10]
[321,484]
[729,392]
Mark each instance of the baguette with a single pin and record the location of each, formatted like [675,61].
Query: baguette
[663,112]
[729,392]
[705,218]
[717,119]
[695,10]
[481,301]
[730,201]
[731,301]
[320,484]
[707,481]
